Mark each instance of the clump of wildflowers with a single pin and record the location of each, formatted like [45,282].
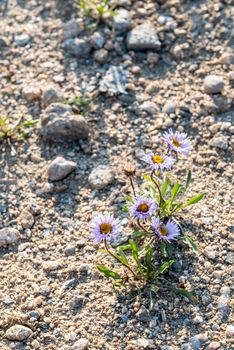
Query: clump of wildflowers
[153,212]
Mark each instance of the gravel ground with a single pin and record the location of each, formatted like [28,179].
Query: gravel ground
[175,71]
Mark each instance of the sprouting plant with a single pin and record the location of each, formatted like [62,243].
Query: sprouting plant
[81,102]
[96,8]
[153,210]
[15,132]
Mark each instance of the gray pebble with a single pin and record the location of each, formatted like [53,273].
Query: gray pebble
[81,344]
[101,177]
[60,168]
[143,37]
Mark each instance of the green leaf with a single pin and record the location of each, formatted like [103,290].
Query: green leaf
[194,199]
[138,233]
[129,198]
[190,242]
[154,288]
[135,252]
[125,247]
[109,273]
[165,186]
[122,256]
[188,180]
[162,248]
[29,123]
[174,190]
[148,257]
[165,266]
[186,293]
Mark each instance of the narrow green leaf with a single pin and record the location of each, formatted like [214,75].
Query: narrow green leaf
[122,256]
[175,190]
[29,123]
[186,293]
[125,247]
[162,248]
[190,242]
[165,266]
[165,186]
[109,273]
[135,252]
[148,257]
[188,180]
[194,199]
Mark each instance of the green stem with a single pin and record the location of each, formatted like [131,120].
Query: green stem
[118,259]
[157,185]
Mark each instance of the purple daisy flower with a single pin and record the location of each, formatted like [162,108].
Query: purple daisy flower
[158,162]
[142,208]
[168,231]
[178,142]
[104,226]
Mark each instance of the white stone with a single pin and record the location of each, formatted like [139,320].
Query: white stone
[8,235]
[18,332]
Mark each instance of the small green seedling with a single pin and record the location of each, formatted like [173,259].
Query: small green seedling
[96,8]
[15,132]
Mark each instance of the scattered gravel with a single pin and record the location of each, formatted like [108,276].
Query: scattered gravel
[155,65]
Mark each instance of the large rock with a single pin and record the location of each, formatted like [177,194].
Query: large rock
[18,332]
[59,123]
[213,84]
[122,21]
[60,168]
[143,37]
[101,177]
[8,235]
[78,47]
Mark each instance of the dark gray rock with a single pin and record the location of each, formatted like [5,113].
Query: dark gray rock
[78,47]
[71,29]
[97,40]
[59,123]
[122,21]
[143,37]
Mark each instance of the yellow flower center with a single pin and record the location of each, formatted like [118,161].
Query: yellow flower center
[176,143]
[143,207]
[105,229]
[157,159]
[163,231]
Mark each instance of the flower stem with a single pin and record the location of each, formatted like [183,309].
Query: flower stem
[118,259]
[141,226]
[132,185]
[159,191]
